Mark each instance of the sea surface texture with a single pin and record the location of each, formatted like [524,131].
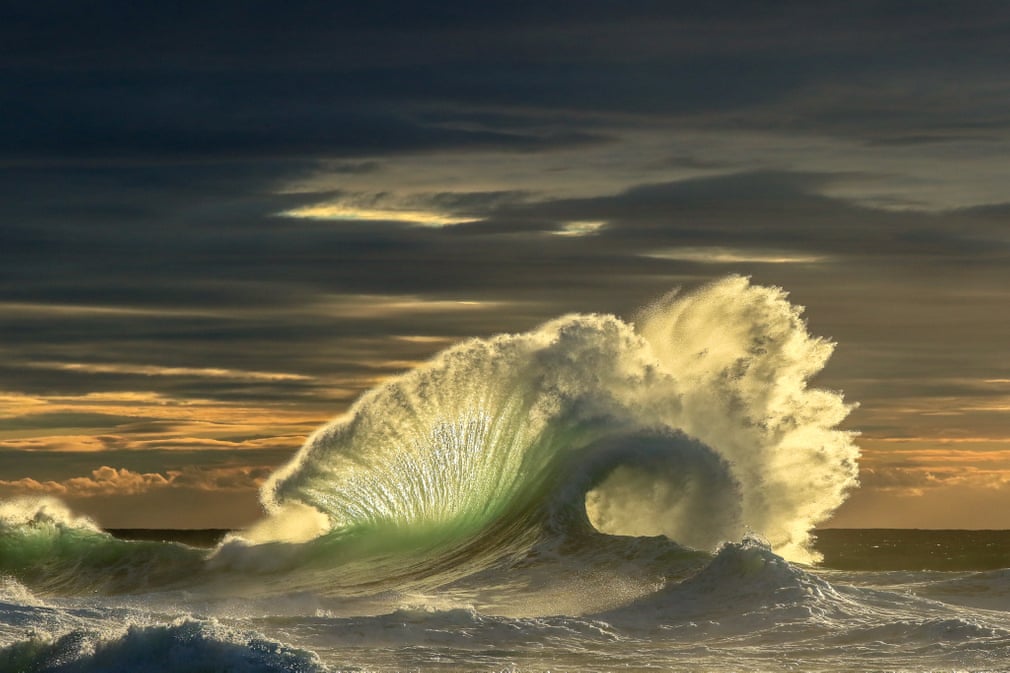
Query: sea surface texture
[593,495]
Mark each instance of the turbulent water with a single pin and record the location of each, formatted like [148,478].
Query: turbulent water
[593,495]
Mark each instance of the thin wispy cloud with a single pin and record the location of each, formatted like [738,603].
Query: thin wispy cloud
[738,256]
[419,218]
[154,370]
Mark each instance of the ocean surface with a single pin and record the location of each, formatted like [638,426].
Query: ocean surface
[593,495]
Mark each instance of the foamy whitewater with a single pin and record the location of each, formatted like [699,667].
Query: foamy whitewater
[593,495]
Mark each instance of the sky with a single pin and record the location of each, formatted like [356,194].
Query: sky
[221,222]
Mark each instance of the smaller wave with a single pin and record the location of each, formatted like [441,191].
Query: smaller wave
[49,549]
[42,512]
[182,647]
[745,586]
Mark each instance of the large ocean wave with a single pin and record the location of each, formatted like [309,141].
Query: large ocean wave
[695,422]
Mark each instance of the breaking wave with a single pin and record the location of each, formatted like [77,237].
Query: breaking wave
[692,425]
[695,422]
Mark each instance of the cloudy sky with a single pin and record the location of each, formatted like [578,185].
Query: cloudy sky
[220,222]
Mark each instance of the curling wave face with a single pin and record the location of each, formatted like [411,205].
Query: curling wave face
[695,423]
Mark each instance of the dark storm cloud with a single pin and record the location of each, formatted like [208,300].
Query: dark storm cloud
[314,79]
[206,250]
[758,210]
[148,152]
[209,34]
[236,115]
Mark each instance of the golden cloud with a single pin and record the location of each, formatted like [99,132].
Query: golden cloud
[106,481]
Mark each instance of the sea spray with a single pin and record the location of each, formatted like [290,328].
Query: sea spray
[487,434]
[42,513]
[742,357]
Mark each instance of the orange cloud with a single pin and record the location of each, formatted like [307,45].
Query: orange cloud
[75,443]
[103,481]
[137,421]
[107,480]
[916,479]
[911,466]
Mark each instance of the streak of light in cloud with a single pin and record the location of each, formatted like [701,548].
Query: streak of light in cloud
[580,228]
[342,212]
[378,306]
[717,255]
[140,421]
[153,370]
[84,310]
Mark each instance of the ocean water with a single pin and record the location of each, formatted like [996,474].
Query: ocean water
[592,495]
